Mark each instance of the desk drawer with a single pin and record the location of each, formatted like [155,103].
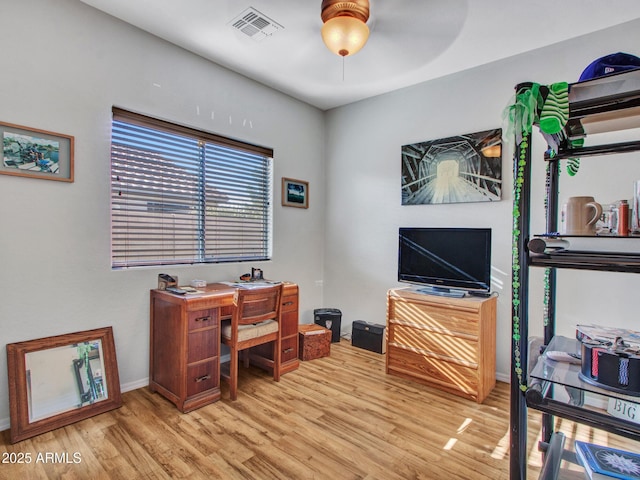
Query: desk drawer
[289,303]
[439,318]
[202,318]
[202,376]
[289,349]
[202,344]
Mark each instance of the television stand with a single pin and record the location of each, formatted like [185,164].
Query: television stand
[441,291]
[447,343]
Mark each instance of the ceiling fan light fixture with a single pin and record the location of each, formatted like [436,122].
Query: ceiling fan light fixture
[345,30]
[345,35]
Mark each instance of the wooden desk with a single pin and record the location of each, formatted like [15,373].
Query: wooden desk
[184,357]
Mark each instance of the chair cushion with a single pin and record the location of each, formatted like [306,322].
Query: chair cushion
[247,332]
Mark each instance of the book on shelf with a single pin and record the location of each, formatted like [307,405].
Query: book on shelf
[606,463]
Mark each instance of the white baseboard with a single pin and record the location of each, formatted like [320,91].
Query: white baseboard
[127,387]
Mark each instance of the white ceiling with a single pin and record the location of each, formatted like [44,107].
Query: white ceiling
[411,41]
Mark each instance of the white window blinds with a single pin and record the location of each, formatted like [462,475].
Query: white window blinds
[181,196]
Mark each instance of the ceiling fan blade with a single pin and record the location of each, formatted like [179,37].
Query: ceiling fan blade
[395,32]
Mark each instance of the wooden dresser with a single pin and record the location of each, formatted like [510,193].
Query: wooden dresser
[448,343]
[184,357]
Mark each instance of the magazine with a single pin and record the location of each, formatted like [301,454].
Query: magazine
[606,463]
[607,334]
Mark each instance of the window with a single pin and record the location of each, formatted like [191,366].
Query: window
[181,196]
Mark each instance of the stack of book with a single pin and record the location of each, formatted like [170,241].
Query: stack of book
[606,463]
[604,334]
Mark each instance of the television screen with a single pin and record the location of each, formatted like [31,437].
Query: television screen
[446,259]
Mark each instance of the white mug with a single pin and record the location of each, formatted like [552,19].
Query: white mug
[581,215]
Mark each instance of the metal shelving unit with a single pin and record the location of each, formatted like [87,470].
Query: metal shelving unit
[596,106]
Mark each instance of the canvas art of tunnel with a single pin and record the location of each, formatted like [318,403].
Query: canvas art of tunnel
[465,168]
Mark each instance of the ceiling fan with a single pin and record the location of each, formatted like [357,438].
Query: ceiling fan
[400,36]
[345,29]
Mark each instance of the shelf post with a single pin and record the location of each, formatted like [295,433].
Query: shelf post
[552,184]
[553,177]
[520,287]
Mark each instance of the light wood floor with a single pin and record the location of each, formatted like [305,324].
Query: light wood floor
[339,417]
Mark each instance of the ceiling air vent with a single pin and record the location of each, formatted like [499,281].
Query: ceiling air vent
[255,24]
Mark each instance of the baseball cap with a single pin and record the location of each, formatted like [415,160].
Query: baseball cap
[609,64]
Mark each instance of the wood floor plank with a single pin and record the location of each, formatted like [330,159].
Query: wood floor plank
[336,418]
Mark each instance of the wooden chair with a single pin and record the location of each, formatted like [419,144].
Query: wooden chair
[255,321]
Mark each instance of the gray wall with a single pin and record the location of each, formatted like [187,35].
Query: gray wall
[364,207]
[64,66]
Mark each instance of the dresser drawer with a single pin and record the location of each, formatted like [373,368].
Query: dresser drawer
[460,348]
[435,317]
[202,318]
[202,377]
[202,344]
[425,368]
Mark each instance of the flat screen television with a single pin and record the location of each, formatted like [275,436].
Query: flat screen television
[446,261]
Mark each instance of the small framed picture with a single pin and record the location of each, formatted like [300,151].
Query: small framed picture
[295,193]
[28,152]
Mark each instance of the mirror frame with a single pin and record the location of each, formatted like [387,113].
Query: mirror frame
[21,427]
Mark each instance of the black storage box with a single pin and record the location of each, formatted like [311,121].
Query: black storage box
[329,318]
[610,370]
[369,336]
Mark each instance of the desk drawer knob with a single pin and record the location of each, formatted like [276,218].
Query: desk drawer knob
[286,304]
[287,350]
[203,319]
[203,378]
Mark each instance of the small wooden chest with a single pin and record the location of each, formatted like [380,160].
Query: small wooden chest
[315,341]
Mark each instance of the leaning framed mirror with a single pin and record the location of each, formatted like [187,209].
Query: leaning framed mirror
[56,381]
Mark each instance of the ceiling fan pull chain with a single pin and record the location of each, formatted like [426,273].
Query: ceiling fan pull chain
[343,69]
